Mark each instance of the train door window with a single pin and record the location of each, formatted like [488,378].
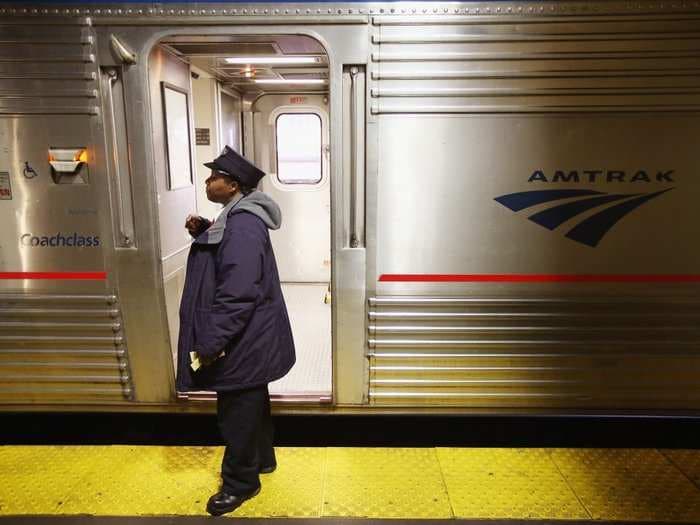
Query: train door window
[299,148]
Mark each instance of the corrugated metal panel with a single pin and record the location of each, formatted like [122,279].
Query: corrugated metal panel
[47,68]
[58,348]
[463,64]
[592,353]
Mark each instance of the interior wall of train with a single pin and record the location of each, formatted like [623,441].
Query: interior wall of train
[488,207]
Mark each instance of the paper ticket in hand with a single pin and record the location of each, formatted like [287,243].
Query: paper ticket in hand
[196,364]
[194,361]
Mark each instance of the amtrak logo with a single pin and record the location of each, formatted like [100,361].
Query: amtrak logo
[590,230]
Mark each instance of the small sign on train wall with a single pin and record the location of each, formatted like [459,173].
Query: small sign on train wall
[5,188]
[201,136]
[297,100]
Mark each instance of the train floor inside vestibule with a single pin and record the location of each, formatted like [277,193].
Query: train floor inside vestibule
[310,315]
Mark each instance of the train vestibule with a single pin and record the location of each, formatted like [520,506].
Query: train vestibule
[267,97]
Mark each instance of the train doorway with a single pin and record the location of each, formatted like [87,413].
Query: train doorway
[267,97]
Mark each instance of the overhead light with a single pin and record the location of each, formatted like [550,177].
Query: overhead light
[271,60]
[289,81]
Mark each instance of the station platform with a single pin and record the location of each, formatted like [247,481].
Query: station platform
[581,484]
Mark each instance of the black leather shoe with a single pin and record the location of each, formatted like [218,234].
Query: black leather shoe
[223,502]
[268,469]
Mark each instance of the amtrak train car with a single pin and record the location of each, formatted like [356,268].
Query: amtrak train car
[488,207]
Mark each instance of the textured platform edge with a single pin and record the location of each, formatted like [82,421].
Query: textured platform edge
[203,520]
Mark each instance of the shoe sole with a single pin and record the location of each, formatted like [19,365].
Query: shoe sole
[268,470]
[221,512]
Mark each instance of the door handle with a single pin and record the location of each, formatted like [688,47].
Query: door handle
[356,176]
[120,164]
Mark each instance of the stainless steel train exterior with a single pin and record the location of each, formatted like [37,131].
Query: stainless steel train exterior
[512,201]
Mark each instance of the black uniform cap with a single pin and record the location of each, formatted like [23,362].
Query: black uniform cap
[237,166]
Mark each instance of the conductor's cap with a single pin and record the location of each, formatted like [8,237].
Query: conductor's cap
[237,166]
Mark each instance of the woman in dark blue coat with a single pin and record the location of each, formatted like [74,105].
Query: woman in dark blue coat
[235,335]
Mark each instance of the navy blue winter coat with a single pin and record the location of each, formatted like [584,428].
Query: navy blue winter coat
[232,301]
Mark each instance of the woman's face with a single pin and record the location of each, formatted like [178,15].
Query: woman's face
[220,188]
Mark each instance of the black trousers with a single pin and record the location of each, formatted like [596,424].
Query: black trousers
[246,426]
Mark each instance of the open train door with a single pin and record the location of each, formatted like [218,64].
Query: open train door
[182,75]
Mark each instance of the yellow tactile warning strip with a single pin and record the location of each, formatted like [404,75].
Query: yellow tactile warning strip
[384,483]
[408,483]
[147,479]
[504,483]
[634,485]
[293,490]
[687,461]
[37,480]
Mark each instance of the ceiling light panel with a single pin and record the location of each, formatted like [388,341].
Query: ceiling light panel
[271,60]
[289,81]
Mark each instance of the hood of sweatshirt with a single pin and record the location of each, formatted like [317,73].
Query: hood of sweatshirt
[262,205]
[256,202]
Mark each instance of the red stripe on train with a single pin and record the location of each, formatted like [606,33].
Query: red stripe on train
[536,278]
[89,276]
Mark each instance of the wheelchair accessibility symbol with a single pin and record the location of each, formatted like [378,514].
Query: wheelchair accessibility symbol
[28,171]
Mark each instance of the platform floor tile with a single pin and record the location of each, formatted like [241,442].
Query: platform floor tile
[687,461]
[135,481]
[294,489]
[629,484]
[38,479]
[384,483]
[504,483]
